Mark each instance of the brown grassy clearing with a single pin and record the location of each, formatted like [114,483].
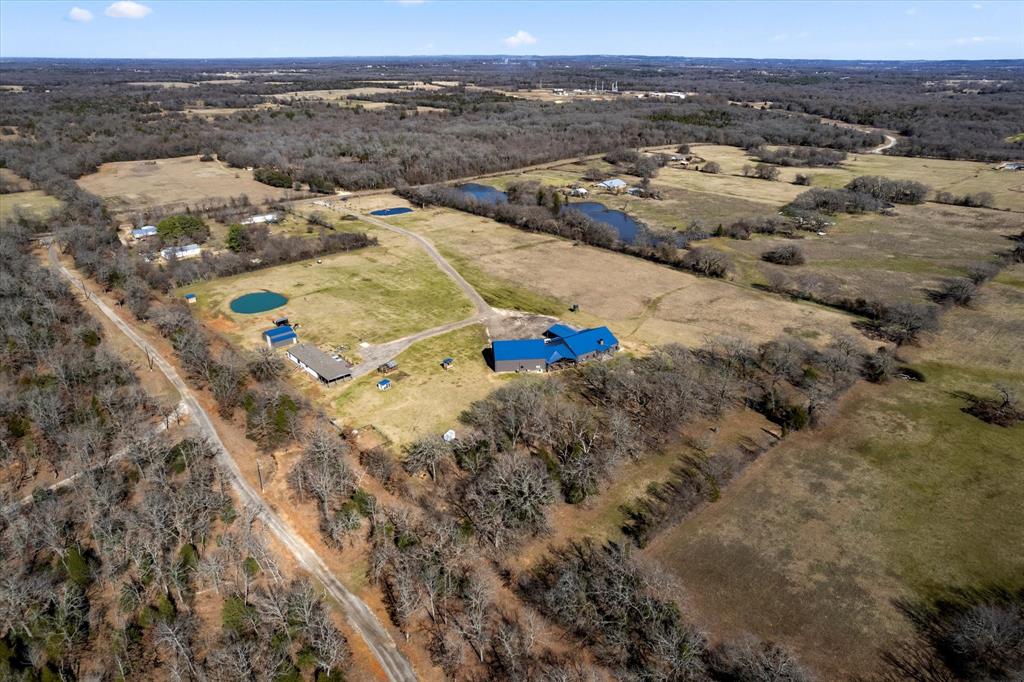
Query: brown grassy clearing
[886,258]
[959,177]
[134,185]
[643,303]
[901,495]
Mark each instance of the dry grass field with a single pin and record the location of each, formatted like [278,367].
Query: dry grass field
[900,495]
[374,295]
[958,177]
[134,185]
[643,303]
[903,257]
[33,203]
[424,399]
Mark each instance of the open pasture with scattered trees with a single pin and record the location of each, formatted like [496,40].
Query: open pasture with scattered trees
[904,497]
[801,465]
[644,303]
[375,295]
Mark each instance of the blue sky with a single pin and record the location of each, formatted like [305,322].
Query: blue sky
[813,30]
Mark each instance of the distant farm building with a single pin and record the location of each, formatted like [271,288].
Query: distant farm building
[562,346]
[578,192]
[190,298]
[449,436]
[281,336]
[265,218]
[319,364]
[1013,165]
[181,252]
[388,367]
[144,231]
[447,363]
[613,185]
[384,384]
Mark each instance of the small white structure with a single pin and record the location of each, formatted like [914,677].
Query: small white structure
[144,231]
[578,192]
[258,219]
[449,435]
[614,184]
[181,252]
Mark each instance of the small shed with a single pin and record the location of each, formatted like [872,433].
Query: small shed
[447,363]
[388,367]
[190,298]
[383,384]
[281,321]
[449,435]
[144,231]
[279,337]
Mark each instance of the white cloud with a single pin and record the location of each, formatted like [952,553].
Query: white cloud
[127,9]
[79,14]
[518,39]
[976,40]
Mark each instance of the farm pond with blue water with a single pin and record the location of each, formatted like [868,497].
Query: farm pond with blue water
[257,302]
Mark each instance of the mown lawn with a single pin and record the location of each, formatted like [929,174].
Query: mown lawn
[374,295]
[424,398]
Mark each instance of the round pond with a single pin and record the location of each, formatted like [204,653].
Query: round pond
[257,302]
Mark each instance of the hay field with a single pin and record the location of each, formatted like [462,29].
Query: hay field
[959,177]
[642,302]
[900,495]
[33,203]
[424,400]
[374,295]
[903,257]
[185,180]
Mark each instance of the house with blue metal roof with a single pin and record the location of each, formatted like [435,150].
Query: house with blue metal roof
[561,347]
[280,336]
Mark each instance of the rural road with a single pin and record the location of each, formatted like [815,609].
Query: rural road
[889,143]
[482,307]
[179,411]
[356,611]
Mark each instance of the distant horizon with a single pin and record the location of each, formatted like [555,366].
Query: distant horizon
[899,31]
[498,55]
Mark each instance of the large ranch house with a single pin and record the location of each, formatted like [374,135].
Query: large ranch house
[562,346]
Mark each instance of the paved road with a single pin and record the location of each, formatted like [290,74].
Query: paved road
[356,611]
[179,411]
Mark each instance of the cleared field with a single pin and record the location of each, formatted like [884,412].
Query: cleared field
[34,203]
[958,177]
[643,303]
[334,95]
[901,495]
[373,295]
[424,399]
[685,195]
[903,257]
[185,180]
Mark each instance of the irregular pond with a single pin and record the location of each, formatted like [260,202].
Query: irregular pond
[485,194]
[623,225]
[257,302]
[398,210]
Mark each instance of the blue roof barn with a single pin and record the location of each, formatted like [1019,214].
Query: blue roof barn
[563,346]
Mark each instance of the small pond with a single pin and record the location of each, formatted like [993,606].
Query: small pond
[257,302]
[398,210]
[625,226]
[485,194]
